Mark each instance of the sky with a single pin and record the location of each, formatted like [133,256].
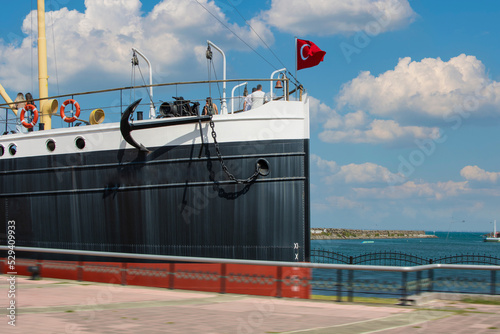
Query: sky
[405,107]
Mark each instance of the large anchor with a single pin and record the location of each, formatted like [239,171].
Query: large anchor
[126,127]
[261,166]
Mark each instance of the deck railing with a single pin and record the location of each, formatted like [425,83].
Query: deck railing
[114,101]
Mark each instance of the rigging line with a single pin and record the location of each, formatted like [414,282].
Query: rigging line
[218,83]
[262,40]
[54,47]
[55,56]
[144,82]
[255,32]
[209,70]
[225,26]
[31,47]
[132,82]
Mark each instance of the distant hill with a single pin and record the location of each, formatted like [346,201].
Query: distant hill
[340,233]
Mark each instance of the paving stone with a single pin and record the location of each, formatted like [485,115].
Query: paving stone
[70,307]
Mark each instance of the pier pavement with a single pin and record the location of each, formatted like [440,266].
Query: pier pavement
[63,306]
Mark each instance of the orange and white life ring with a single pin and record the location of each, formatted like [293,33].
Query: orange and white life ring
[77,114]
[35,117]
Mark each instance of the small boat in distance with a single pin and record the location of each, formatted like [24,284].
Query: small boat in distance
[495,236]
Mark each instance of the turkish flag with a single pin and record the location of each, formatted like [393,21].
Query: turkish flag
[308,54]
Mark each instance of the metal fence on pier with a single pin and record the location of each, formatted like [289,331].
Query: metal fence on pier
[393,258]
[390,284]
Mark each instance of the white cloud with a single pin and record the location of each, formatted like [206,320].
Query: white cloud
[426,89]
[366,173]
[376,132]
[360,127]
[99,40]
[474,173]
[329,166]
[411,189]
[397,106]
[319,112]
[349,121]
[328,17]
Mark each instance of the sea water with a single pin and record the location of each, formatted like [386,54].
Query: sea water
[446,244]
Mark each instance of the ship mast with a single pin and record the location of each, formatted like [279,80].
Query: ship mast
[43,78]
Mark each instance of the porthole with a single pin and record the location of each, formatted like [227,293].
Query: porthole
[51,145]
[12,149]
[80,143]
[2,150]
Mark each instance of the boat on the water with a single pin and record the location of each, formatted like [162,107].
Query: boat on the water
[231,185]
[495,236]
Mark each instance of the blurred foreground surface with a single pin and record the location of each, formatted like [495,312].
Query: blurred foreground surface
[63,306]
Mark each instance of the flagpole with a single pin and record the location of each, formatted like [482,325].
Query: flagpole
[295,51]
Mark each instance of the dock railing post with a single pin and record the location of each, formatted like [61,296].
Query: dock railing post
[350,286]
[493,286]
[79,271]
[419,280]
[171,275]
[123,271]
[279,282]
[404,287]
[431,278]
[223,278]
[339,285]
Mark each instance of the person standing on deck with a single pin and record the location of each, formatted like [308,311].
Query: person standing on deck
[258,97]
[247,105]
[210,108]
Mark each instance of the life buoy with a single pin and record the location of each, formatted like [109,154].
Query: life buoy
[77,114]
[33,121]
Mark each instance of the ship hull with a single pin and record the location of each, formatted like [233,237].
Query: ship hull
[174,200]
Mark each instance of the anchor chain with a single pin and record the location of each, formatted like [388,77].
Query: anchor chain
[251,179]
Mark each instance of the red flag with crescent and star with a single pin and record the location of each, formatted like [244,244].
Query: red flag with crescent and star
[308,54]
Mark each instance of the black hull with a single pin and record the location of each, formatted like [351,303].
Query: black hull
[172,201]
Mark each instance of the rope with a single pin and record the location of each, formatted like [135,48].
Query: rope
[296,81]
[225,26]
[255,32]
[132,80]
[54,47]
[55,56]
[31,43]
[218,83]
[209,70]
[144,82]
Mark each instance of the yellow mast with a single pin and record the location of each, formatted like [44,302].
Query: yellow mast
[43,78]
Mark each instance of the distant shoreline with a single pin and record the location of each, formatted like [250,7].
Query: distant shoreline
[344,234]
